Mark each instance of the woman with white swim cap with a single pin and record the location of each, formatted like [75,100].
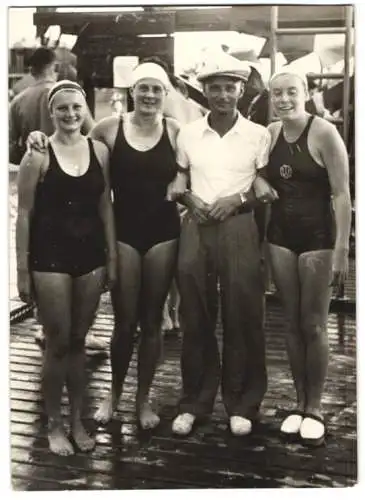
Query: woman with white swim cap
[142,145]
[308,236]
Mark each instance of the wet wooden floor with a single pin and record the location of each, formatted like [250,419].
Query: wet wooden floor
[127,458]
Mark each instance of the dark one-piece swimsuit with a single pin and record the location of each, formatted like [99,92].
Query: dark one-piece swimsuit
[66,232]
[139,180]
[302,218]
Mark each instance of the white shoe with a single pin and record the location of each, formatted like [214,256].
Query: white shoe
[240,426]
[183,424]
[312,431]
[291,425]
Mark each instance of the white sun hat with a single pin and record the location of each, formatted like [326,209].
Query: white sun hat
[150,70]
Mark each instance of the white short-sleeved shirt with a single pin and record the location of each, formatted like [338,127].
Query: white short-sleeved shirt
[222,166]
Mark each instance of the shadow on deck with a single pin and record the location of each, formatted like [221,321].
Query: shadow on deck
[127,458]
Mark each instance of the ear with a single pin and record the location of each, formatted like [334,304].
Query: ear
[242,89]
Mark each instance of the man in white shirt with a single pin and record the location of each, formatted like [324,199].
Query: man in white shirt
[222,153]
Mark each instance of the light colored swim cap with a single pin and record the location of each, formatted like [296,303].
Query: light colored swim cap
[150,70]
[289,71]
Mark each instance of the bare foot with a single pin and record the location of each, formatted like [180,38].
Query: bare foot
[105,412]
[58,442]
[147,418]
[83,441]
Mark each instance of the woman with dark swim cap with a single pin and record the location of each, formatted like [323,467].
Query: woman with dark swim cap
[65,252]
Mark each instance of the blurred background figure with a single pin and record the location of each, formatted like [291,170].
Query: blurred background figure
[315,104]
[29,109]
[117,103]
[254,104]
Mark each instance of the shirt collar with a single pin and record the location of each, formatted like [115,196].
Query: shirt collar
[238,128]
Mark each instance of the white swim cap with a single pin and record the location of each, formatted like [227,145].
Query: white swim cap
[150,70]
[289,71]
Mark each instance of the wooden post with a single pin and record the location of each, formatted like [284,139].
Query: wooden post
[274,12]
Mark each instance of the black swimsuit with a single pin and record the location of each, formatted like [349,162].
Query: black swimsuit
[139,180]
[66,233]
[302,218]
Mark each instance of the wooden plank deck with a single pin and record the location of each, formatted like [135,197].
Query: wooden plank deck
[127,458]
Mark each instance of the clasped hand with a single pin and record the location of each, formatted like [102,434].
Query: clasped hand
[219,210]
[263,191]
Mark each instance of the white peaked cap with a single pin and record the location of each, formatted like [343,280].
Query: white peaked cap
[150,70]
[225,66]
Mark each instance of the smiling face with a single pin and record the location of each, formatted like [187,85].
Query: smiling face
[288,96]
[68,110]
[148,96]
[223,93]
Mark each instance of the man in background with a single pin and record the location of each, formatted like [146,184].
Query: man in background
[29,109]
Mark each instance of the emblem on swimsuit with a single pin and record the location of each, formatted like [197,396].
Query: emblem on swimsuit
[286,171]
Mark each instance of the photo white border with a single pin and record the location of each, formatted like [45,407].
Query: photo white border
[4,311]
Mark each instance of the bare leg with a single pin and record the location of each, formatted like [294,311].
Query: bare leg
[85,299]
[158,270]
[167,324]
[284,267]
[125,299]
[315,270]
[175,305]
[53,293]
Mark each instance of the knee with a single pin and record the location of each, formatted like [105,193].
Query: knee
[151,326]
[313,328]
[59,348]
[77,343]
[124,329]
[186,272]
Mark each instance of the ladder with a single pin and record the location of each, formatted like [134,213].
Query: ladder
[276,31]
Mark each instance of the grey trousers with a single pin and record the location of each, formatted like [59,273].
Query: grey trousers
[226,252]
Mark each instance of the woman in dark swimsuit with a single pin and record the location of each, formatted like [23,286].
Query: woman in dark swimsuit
[65,242]
[143,165]
[142,148]
[308,236]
